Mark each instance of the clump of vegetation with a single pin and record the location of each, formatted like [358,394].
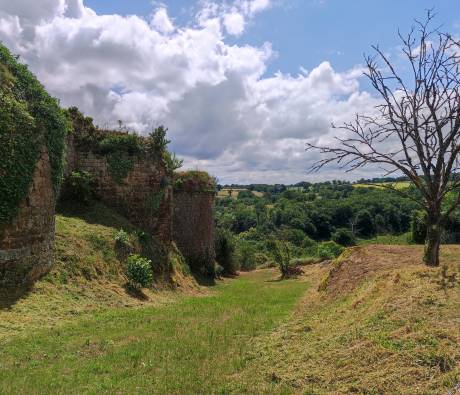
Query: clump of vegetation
[344,237]
[282,256]
[122,243]
[78,187]
[225,252]
[247,255]
[30,120]
[194,181]
[329,250]
[139,271]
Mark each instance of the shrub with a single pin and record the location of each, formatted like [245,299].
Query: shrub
[122,241]
[247,256]
[344,237]
[282,255]
[261,258]
[225,251]
[309,246]
[139,271]
[329,250]
[78,187]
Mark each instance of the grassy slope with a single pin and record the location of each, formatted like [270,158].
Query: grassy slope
[393,330]
[192,346]
[87,276]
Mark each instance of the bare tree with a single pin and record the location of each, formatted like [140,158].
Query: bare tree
[416,128]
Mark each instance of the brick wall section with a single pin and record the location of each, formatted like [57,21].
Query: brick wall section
[26,245]
[130,197]
[193,226]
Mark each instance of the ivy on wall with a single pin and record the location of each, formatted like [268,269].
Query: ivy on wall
[121,147]
[153,201]
[29,120]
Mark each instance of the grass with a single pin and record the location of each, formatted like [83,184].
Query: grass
[87,277]
[396,332]
[396,185]
[402,239]
[225,193]
[191,346]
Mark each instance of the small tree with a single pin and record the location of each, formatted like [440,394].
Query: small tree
[416,128]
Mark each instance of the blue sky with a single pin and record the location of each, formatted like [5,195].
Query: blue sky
[242,85]
[307,32]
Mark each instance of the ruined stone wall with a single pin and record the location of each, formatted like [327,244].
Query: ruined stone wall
[193,227]
[26,244]
[143,196]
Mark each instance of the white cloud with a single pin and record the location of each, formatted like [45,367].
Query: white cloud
[234,23]
[223,113]
[161,21]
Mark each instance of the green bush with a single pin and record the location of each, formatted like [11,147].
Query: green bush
[344,237]
[329,250]
[225,251]
[139,271]
[309,246]
[261,259]
[122,240]
[247,256]
[282,257]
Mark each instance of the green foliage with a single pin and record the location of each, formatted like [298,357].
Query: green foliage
[247,255]
[30,119]
[329,250]
[120,149]
[139,271]
[153,201]
[365,224]
[78,187]
[309,246]
[194,181]
[344,237]
[282,256]
[122,238]
[119,166]
[418,227]
[225,251]
[130,144]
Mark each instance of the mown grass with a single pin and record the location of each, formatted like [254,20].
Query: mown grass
[192,346]
[398,332]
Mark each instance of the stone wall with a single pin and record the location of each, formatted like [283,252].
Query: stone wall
[146,182]
[26,244]
[193,227]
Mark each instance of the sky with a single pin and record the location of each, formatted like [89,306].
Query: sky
[241,84]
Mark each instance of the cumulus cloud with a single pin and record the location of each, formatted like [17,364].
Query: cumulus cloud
[224,114]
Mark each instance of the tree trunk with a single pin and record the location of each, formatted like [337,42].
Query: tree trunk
[433,241]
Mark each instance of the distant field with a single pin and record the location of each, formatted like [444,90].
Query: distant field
[396,185]
[235,192]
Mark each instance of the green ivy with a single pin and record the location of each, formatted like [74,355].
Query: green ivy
[153,201]
[120,165]
[29,119]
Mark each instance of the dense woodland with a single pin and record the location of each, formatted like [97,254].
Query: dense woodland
[306,217]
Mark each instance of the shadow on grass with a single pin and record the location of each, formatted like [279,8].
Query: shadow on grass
[9,296]
[203,280]
[135,292]
[94,213]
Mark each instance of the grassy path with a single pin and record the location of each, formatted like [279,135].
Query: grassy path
[190,347]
